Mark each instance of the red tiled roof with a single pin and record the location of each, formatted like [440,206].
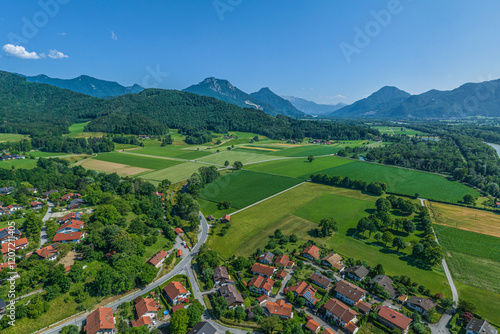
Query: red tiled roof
[280,308]
[312,325]
[261,299]
[394,317]
[262,283]
[351,327]
[178,230]
[8,265]
[142,321]
[281,274]
[226,217]
[304,289]
[282,259]
[179,252]
[34,203]
[363,306]
[312,251]
[173,289]
[100,319]
[73,236]
[340,310]
[177,307]
[158,257]
[76,224]
[351,291]
[320,280]
[327,331]
[47,251]
[263,269]
[145,305]
[17,243]
[67,269]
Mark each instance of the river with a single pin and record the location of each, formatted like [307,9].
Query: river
[496,147]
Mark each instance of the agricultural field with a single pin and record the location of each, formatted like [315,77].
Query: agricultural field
[318,150]
[468,219]
[23,163]
[76,131]
[177,150]
[297,167]
[397,130]
[235,155]
[243,188]
[175,173]
[137,160]
[486,302]
[111,167]
[296,212]
[11,137]
[210,208]
[40,154]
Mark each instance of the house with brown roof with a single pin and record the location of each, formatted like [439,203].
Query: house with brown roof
[69,196]
[178,231]
[339,312]
[262,299]
[281,261]
[363,306]
[231,295]
[69,237]
[49,252]
[266,258]
[146,307]
[210,218]
[263,270]
[393,319]
[351,328]
[356,273]
[280,309]
[158,259]
[349,293]
[35,205]
[177,307]
[261,284]
[334,261]
[69,216]
[281,274]
[327,331]
[72,225]
[8,265]
[420,304]
[225,218]
[321,280]
[100,321]
[9,234]
[313,326]
[203,328]
[142,321]
[476,326]
[386,283]
[221,276]
[305,290]
[18,244]
[175,292]
[311,252]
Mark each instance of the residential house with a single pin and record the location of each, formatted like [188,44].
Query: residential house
[349,293]
[263,270]
[393,319]
[8,265]
[100,321]
[146,307]
[203,327]
[305,290]
[281,274]
[9,234]
[477,326]
[69,216]
[13,207]
[321,280]
[49,252]
[261,299]
[142,321]
[351,328]
[311,252]
[225,219]
[179,231]
[259,284]
[68,196]
[65,238]
[280,309]
[327,331]
[363,307]
[71,226]
[75,204]
[386,283]
[35,205]
[177,307]
[210,218]
[283,261]
[176,292]
[158,259]
[266,258]
[18,244]
[32,190]
[221,276]
[48,193]
[231,295]
[339,313]
[313,326]
[6,191]
[420,304]
[356,273]
[334,261]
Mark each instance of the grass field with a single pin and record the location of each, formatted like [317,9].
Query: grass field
[235,155]
[469,254]
[137,160]
[119,147]
[210,208]
[174,174]
[397,130]
[111,167]
[11,137]
[76,131]
[40,154]
[486,302]
[298,167]
[295,212]
[315,150]
[479,221]
[243,188]
[23,163]
[181,151]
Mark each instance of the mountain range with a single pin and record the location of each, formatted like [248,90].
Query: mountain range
[87,85]
[313,108]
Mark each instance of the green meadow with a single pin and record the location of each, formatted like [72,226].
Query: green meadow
[137,160]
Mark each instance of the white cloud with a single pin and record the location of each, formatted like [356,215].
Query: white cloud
[340,96]
[62,33]
[19,51]
[54,54]
[113,35]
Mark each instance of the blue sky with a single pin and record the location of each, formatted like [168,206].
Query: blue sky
[293,47]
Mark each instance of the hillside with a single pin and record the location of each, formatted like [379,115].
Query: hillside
[313,108]
[285,107]
[88,85]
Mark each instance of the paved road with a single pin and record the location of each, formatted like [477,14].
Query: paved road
[43,232]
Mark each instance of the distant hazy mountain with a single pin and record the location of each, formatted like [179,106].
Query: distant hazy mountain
[376,104]
[87,85]
[280,104]
[313,108]
[223,90]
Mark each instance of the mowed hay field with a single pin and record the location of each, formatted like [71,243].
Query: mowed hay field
[181,150]
[22,163]
[111,167]
[243,188]
[175,173]
[473,220]
[137,160]
[290,212]
[244,157]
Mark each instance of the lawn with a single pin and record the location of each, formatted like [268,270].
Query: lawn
[176,173]
[251,228]
[243,188]
[137,160]
[298,167]
[235,155]
[23,163]
[473,220]
[470,253]
[11,137]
